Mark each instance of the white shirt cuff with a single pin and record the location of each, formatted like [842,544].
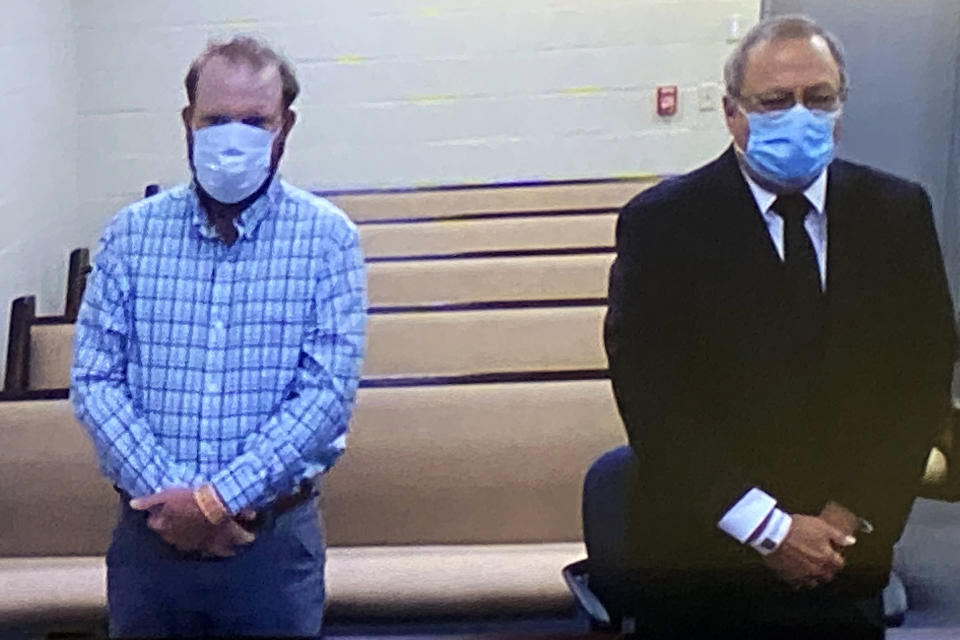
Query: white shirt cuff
[773,533]
[747,514]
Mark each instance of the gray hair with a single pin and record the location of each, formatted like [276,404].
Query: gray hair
[779,28]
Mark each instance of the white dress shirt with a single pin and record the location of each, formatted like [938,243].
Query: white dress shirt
[755,518]
[815,223]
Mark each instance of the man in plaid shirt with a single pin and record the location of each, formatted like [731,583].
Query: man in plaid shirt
[217,358]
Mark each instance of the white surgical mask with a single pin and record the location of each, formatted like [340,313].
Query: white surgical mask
[232,160]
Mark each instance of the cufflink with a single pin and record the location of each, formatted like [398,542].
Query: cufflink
[765,547]
[774,533]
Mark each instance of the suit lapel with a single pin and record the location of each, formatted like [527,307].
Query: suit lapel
[845,235]
[740,224]
[850,309]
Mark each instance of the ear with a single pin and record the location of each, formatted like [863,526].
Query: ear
[289,119]
[280,144]
[731,114]
[187,116]
[729,107]
[736,122]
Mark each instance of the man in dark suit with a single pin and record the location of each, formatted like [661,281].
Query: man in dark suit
[781,343]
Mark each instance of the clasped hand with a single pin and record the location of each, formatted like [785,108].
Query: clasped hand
[810,554]
[176,517]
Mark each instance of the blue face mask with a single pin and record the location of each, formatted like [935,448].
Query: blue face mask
[232,160]
[790,148]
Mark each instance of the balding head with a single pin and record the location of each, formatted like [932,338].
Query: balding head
[245,51]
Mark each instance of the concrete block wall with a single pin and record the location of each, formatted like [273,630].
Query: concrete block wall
[407,92]
[39,221]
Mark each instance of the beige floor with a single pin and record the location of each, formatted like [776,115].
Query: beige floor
[951,633]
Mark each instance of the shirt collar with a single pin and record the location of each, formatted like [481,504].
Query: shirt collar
[249,219]
[816,193]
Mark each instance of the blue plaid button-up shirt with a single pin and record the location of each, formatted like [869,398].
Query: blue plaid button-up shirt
[197,362]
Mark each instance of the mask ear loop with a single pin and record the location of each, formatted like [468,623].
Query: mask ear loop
[746,117]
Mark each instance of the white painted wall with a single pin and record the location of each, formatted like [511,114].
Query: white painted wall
[38,154]
[395,93]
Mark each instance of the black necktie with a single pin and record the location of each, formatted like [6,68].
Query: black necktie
[800,260]
[802,305]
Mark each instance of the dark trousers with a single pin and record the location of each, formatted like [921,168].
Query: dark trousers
[274,587]
[752,605]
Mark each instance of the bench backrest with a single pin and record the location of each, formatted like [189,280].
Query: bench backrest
[598,195]
[447,249]
[419,344]
[473,463]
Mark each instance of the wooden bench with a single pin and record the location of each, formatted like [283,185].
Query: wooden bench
[480,202]
[23,316]
[420,343]
[417,283]
[541,246]
[543,235]
[436,501]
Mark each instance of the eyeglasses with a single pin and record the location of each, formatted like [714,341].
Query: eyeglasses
[815,99]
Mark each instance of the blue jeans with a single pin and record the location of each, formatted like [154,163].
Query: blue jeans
[274,587]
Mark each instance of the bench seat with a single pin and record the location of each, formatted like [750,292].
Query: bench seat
[363,583]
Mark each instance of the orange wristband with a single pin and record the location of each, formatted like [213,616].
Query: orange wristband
[210,504]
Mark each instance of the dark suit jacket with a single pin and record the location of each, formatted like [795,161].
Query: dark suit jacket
[696,337]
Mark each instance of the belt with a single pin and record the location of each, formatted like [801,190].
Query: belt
[283,504]
[268,514]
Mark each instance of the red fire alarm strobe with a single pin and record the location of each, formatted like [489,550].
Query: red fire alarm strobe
[667,101]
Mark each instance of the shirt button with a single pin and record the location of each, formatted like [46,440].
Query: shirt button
[218,325]
[213,387]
